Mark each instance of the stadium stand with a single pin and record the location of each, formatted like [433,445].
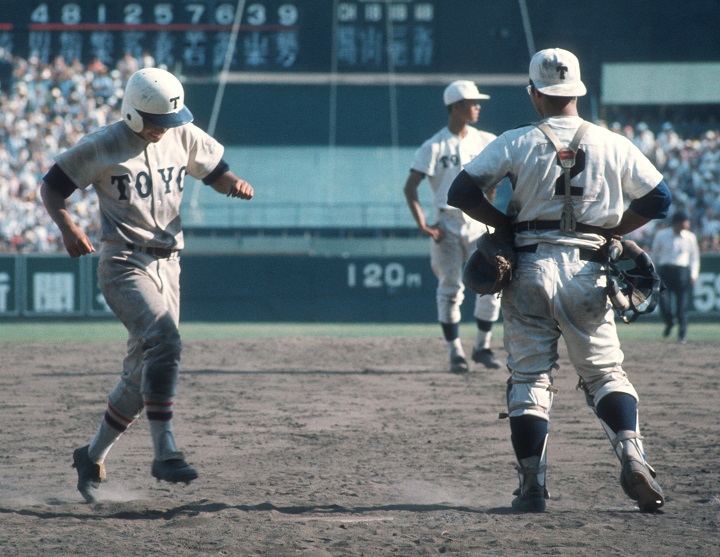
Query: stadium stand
[47,107]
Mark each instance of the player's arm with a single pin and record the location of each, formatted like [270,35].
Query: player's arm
[222,180]
[54,190]
[653,205]
[469,198]
[411,196]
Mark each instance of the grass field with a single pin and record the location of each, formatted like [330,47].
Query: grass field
[109,330]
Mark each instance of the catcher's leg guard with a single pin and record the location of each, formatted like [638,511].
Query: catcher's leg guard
[531,494]
[637,477]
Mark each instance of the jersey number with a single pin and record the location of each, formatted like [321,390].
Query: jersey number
[577,169]
[450,160]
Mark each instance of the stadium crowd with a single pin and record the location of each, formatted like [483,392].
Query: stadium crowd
[46,108]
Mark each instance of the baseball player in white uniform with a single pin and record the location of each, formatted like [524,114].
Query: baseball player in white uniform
[137,167]
[440,159]
[568,183]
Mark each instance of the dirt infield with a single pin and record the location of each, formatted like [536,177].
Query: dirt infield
[320,447]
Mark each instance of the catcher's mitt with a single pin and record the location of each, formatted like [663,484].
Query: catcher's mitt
[490,267]
[634,291]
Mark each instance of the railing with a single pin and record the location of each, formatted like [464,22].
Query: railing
[369,215]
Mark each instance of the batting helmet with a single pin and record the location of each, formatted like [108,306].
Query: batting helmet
[156,96]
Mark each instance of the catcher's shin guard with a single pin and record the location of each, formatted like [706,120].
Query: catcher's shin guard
[532,493]
[637,477]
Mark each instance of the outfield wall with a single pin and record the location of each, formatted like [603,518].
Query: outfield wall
[267,288]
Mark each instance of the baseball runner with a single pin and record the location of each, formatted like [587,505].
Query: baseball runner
[440,159]
[137,167]
[568,179]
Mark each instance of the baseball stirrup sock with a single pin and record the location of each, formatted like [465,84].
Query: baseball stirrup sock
[113,425]
[618,411]
[528,435]
[482,340]
[160,418]
[451,331]
[618,416]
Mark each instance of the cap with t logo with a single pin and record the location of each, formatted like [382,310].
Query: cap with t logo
[556,72]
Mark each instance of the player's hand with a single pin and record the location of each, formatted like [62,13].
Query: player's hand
[240,188]
[77,243]
[435,232]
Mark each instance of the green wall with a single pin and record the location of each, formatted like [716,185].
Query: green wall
[267,288]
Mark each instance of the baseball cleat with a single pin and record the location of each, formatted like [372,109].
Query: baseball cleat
[90,474]
[638,483]
[458,364]
[532,500]
[546,493]
[175,470]
[532,494]
[486,357]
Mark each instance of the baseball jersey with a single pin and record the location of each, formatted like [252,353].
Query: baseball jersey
[140,184]
[442,157]
[608,167]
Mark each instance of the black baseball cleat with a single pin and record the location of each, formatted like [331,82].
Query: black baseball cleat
[486,357]
[90,474]
[458,364]
[531,499]
[175,470]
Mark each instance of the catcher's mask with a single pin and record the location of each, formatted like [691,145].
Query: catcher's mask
[154,95]
[632,291]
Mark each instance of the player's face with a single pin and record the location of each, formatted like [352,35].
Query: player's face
[152,133]
[470,110]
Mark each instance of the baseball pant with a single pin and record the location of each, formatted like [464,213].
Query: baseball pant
[144,293]
[678,283]
[554,292]
[448,258]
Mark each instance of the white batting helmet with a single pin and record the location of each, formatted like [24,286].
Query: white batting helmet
[156,96]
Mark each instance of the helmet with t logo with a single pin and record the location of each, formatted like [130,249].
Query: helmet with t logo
[156,96]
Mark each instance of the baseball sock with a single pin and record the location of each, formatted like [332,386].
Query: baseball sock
[618,411]
[484,334]
[124,406]
[528,434]
[160,417]
[112,426]
[451,331]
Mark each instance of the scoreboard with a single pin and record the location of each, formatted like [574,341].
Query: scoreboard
[193,34]
[362,36]
[273,35]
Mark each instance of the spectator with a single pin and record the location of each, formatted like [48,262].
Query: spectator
[127,65]
[47,107]
[147,60]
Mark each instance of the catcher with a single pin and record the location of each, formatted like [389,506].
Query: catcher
[569,179]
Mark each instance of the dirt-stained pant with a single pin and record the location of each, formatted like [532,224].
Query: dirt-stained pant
[552,293]
[448,258]
[144,293]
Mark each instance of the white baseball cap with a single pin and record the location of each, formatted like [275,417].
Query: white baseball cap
[461,90]
[556,72]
